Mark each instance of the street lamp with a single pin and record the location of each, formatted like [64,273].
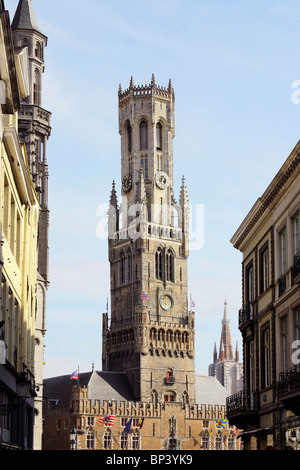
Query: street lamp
[73,438]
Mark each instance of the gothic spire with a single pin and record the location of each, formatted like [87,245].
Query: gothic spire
[225,342]
[24,17]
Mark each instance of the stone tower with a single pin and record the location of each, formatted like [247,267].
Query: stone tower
[226,367]
[150,334]
[34,130]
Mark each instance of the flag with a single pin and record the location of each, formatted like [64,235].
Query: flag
[221,423]
[144,296]
[74,375]
[236,431]
[192,303]
[141,422]
[211,430]
[128,426]
[109,420]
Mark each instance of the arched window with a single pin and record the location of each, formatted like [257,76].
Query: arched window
[158,136]
[38,51]
[107,439]
[231,441]
[159,264]
[170,266]
[154,396]
[135,440]
[129,266]
[122,272]
[90,440]
[129,138]
[205,440]
[218,441]
[143,135]
[124,440]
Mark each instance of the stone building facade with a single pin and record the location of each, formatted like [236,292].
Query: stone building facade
[34,130]
[166,425]
[19,218]
[268,407]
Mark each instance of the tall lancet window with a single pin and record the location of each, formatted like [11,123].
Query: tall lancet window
[170,266]
[159,264]
[158,136]
[129,138]
[143,135]
[36,87]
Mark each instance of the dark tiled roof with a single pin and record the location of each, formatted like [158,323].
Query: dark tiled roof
[24,17]
[102,386]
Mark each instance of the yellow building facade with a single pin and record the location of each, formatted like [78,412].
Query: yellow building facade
[19,215]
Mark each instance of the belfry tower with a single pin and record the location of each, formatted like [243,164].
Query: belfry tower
[150,335]
[34,130]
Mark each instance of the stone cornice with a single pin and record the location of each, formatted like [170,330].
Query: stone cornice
[273,192]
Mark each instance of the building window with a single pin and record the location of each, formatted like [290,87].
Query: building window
[169,396]
[205,440]
[249,284]
[135,442]
[159,165]
[264,269]
[218,441]
[159,264]
[170,266]
[231,442]
[122,276]
[296,233]
[297,324]
[282,252]
[124,440]
[143,135]
[284,342]
[158,136]
[144,165]
[265,358]
[90,440]
[129,138]
[107,440]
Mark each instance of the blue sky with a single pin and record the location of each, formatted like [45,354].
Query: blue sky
[232,65]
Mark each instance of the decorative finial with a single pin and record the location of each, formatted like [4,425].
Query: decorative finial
[153,80]
[131,85]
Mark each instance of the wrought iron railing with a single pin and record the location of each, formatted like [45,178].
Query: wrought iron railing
[246,313]
[241,401]
[281,285]
[295,270]
[289,380]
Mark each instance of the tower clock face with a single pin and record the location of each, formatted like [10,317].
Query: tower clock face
[166,302]
[127,183]
[162,179]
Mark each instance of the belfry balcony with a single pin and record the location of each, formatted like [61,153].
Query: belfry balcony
[169,380]
[289,388]
[241,409]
